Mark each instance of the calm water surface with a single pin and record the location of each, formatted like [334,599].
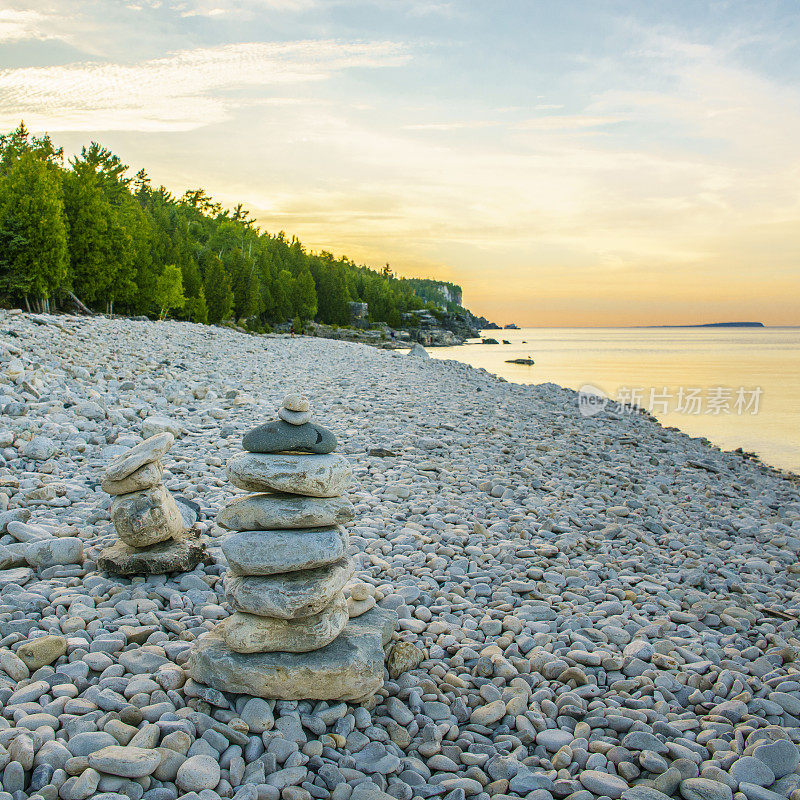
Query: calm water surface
[704,381]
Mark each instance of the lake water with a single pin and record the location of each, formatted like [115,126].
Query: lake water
[738,387]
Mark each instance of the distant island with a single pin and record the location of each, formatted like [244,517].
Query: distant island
[714,325]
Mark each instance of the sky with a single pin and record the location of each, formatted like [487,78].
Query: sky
[588,162]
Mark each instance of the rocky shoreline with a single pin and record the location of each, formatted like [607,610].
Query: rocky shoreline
[588,607]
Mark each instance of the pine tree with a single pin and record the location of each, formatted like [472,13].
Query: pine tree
[196,309]
[34,265]
[90,219]
[284,287]
[304,295]
[219,297]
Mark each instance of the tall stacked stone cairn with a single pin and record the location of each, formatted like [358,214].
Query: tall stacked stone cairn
[152,537]
[290,636]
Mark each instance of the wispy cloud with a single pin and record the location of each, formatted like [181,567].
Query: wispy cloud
[214,8]
[455,125]
[183,91]
[19,25]
[567,122]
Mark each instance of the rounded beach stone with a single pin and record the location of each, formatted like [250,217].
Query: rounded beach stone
[704,789]
[294,417]
[146,477]
[310,475]
[291,595]
[127,762]
[358,607]
[782,757]
[198,773]
[42,651]
[274,552]
[279,437]
[265,512]
[146,517]
[151,449]
[603,784]
[296,402]
[749,769]
[248,633]
[52,552]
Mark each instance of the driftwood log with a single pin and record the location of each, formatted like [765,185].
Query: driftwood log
[73,300]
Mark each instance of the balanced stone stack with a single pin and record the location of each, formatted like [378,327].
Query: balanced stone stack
[153,539]
[290,636]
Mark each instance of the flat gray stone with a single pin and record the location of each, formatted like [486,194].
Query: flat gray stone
[19,576]
[643,793]
[280,436]
[145,477]
[90,742]
[309,475]
[58,550]
[705,789]
[782,757]
[143,660]
[350,668]
[755,792]
[127,762]
[151,449]
[181,555]
[265,512]
[146,517]
[248,633]
[273,552]
[552,739]
[749,769]
[603,784]
[290,595]
[294,417]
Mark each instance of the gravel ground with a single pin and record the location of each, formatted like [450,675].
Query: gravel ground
[589,607]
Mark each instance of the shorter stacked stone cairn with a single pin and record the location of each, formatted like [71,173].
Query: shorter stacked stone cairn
[153,539]
[289,636]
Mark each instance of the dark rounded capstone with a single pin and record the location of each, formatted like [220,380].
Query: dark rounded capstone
[281,437]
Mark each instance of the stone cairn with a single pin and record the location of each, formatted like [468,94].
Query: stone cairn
[152,536]
[290,636]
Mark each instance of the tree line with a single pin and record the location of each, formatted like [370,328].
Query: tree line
[86,231]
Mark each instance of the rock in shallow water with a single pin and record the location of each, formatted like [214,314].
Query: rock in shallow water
[290,595]
[310,475]
[273,552]
[248,633]
[349,668]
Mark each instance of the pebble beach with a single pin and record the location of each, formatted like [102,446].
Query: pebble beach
[588,607]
